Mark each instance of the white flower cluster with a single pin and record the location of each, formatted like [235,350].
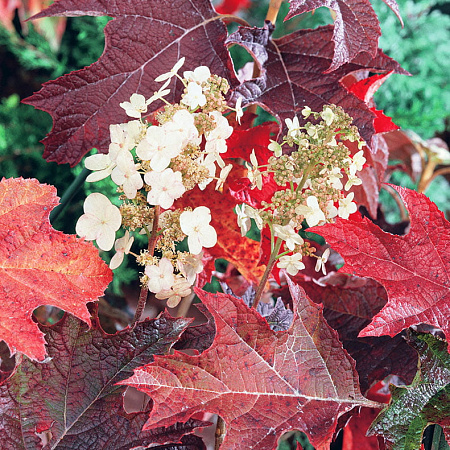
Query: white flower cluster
[154,165]
[309,183]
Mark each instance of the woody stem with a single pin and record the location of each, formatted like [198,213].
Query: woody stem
[151,249]
[270,264]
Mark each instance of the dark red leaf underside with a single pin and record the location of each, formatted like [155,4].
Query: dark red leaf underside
[73,395]
[414,269]
[145,39]
[260,382]
[292,75]
[356,26]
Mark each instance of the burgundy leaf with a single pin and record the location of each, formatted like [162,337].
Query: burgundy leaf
[292,75]
[349,305]
[414,269]
[260,382]
[356,26]
[73,395]
[145,39]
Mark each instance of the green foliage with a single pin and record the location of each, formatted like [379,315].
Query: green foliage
[420,102]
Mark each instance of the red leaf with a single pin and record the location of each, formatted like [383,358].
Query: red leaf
[232,6]
[241,251]
[356,26]
[41,266]
[261,382]
[364,90]
[292,75]
[414,269]
[241,143]
[80,411]
[349,305]
[144,40]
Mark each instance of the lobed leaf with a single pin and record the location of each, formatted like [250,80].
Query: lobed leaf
[41,266]
[145,39]
[73,396]
[356,26]
[414,269]
[261,382]
[424,402]
[292,75]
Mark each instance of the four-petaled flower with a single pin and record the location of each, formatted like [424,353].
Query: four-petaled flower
[100,221]
[322,260]
[288,234]
[311,211]
[135,107]
[293,127]
[122,247]
[292,263]
[243,219]
[172,72]
[126,175]
[180,288]
[195,224]
[166,186]
[198,75]
[194,96]
[346,206]
[160,277]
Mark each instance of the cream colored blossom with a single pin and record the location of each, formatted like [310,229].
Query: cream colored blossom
[292,263]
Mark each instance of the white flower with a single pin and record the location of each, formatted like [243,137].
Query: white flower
[211,167]
[353,180]
[311,130]
[293,127]
[183,124]
[160,93]
[223,176]
[194,96]
[181,288]
[288,234]
[239,111]
[200,75]
[254,214]
[100,221]
[346,206]
[276,148]
[160,277]
[101,164]
[172,72]
[126,175]
[306,111]
[292,263]
[135,107]
[328,115]
[357,163]
[120,141]
[191,266]
[122,247]
[216,138]
[255,176]
[166,186]
[195,224]
[334,175]
[159,147]
[322,260]
[311,212]
[331,210]
[243,219]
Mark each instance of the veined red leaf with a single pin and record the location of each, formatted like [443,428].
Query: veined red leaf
[41,266]
[414,269]
[73,395]
[356,26]
[145,39]
[260,382]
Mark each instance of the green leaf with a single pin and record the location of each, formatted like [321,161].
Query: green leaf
[424,402]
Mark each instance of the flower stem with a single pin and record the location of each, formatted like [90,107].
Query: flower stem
[273,10]
[151,248]
[271,263]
